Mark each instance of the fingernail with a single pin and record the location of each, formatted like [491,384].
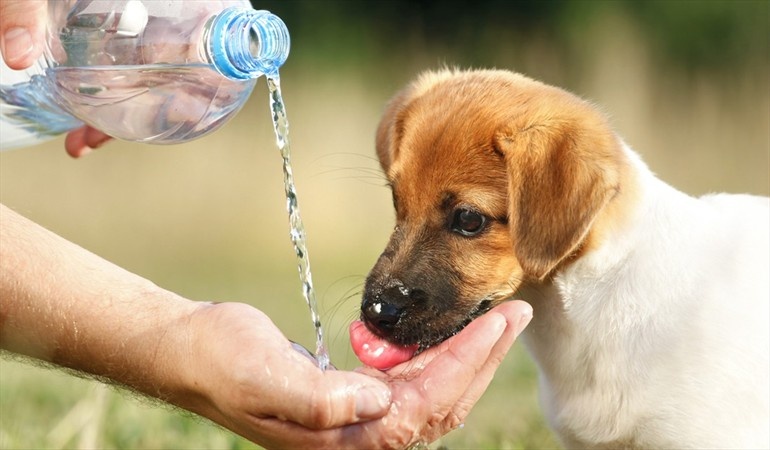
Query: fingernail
[372,401]
[524,320]
[82,151]
[17,43]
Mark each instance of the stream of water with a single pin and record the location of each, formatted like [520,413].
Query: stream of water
[297,229]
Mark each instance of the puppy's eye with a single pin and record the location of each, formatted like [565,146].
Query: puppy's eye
[468,222]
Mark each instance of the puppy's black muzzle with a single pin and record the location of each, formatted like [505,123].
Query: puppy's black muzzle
[383,309]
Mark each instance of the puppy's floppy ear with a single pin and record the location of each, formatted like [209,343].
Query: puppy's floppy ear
[561,174]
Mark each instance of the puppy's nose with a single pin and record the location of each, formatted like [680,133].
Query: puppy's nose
[383,310]
[382,315]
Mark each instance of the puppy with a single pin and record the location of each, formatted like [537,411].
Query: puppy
[651,314]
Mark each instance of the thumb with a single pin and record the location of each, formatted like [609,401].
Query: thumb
[333,398]
[22,31]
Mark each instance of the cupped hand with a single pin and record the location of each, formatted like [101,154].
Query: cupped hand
[434,392]
[246,377]
[22,40]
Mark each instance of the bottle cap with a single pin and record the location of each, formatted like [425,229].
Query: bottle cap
[247,43]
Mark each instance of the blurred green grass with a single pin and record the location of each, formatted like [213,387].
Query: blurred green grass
[207,219]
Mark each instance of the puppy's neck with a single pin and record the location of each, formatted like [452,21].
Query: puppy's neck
[629,220]
[634,221]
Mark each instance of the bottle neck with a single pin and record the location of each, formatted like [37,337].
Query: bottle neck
[244,43]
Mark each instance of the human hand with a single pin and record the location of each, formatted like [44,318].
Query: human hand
[22,40]
[246,376]
[434,391]
[248,379]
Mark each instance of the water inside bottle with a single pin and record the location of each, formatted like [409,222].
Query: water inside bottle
[159,103]
[297,229]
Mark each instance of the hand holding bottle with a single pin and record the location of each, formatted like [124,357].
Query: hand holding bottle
[22,37]
[137,70]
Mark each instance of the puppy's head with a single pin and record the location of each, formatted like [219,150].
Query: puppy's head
[497,180]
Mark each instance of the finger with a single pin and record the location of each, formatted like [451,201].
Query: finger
[517,315]
[463,356]
[83,140]
[275,433]
[95,138]
[75,143]
[22,32]
[387,433]
[321,400]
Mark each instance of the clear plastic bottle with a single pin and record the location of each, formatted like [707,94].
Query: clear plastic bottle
[159,72]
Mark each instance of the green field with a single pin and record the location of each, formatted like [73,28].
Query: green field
[207,219]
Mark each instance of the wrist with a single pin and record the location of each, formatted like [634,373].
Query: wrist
[159,359]
[180,371]
[147,347]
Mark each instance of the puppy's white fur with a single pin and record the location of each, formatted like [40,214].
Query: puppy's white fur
[658,336]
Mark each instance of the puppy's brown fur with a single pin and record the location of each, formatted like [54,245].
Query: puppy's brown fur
[546,174]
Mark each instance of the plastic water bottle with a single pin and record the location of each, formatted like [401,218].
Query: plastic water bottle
[159,72]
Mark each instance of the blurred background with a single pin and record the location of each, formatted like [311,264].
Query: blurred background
[684,82]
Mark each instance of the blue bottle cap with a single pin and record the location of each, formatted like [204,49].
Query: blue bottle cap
[246,43]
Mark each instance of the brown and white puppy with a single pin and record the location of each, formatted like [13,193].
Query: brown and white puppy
[651,311]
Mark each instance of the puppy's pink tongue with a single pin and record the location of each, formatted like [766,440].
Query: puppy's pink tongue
[375,351]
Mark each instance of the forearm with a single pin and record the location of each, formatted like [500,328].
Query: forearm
[62,304]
